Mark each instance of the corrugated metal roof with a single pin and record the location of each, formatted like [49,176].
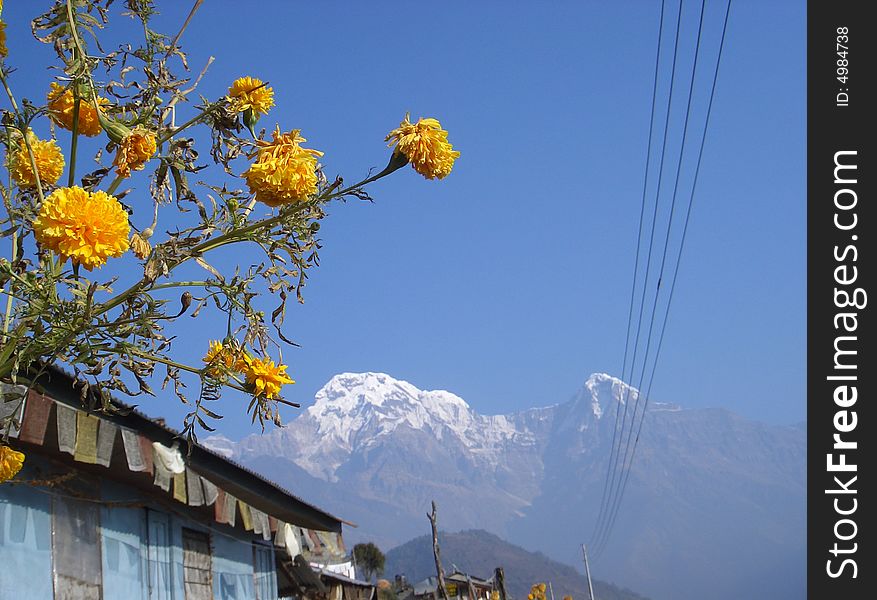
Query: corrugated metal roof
[207,462]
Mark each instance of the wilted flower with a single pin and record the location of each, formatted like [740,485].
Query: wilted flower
[140,245]
[134,150]
[61,103]
[425,145]
[265,377]
[249,93]
[87,227]
[47,156]
[283,171]
[11,462]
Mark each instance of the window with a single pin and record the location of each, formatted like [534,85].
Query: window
[159,555]
[264,572]
[197,567]
[76,549]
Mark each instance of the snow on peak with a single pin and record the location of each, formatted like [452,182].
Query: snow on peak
[357,411]
[219,444]
[346,390]
[352,402]
[349,398]
[604,390]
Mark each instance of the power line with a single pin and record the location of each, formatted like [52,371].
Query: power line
[636,260]
[625,465]
[681,244]
[614,469]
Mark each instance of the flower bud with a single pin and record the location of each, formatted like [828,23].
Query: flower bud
[115,131]
[251,117]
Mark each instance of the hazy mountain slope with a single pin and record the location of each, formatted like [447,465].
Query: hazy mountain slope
[478,553]
[712,500]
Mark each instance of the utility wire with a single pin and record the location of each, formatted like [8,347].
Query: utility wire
[625,465]
[681,247]
[636,263]
[612,484]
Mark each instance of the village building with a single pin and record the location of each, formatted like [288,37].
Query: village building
[459,586]
[117,505]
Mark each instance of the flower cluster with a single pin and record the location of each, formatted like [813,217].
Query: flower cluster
[47,157]
[120,329]
[425,145]
[537,592]
[263,377]
[62,106]
[11,462]
[87,227]
[284,171]
[222,358]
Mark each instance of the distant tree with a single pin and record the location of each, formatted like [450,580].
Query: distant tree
[369,558]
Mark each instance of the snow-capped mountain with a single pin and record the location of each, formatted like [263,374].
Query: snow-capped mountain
[355,413]
[713,499]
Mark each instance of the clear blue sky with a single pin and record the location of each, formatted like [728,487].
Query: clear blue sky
[508,282]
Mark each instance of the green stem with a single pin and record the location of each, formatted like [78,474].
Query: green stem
[173,284]
[71,174]
[115,184]
[176,365]
[33,166]
[76,41]
[8,314]
[206,246]
[193,121]
[393,165]
[236,234]
[22,126]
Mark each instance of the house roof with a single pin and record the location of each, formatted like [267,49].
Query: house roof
[341,578]
[243,483]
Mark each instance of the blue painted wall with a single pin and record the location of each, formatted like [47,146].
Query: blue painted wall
[141,549]
[25,543]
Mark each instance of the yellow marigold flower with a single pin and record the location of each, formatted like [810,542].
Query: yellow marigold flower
[284,171]
[249,93]
[3,50]
[134,150]
[47,156]
[10,463]
[229,356]
[425,145]
[265,377]
[87,227]
[60,102]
